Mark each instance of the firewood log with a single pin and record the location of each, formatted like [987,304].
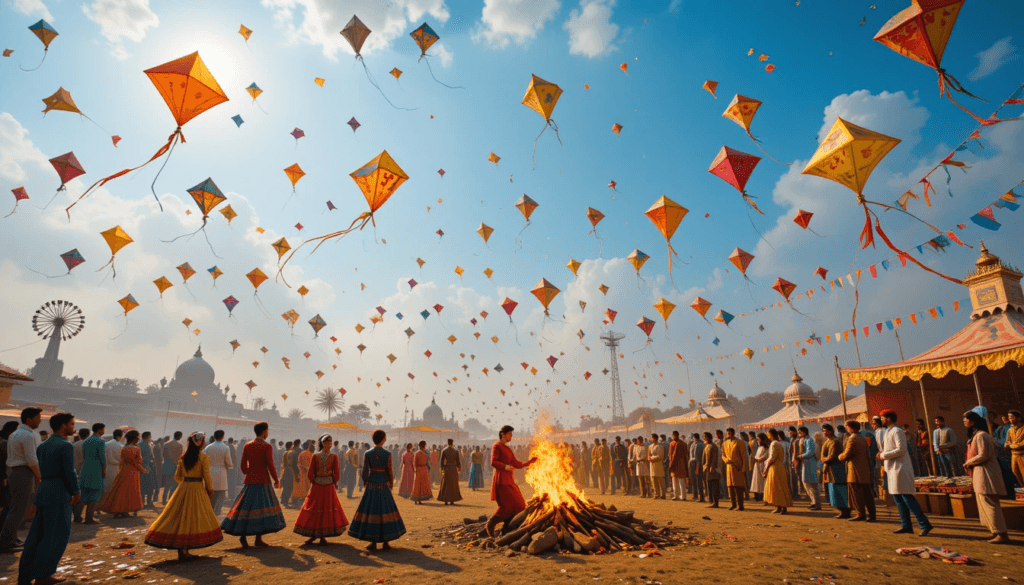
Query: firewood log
[514,535]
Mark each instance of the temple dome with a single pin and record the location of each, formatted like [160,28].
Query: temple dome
[716,394]
[798,392]
[194,373]
[433,412]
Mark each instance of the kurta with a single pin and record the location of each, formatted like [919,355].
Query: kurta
[986,476]
[421,491]
[656,458]
[220,463]
[304,461]
[808,456]
[377,518]
[94,455]
[855,454]
[776,485]
[757,477]
[450,465]
[147,482]
[833,474]
[899,469]
[504,490]
[435,467]
[408,474]
[256,510]
[51,526]
[711,462]
[476,471]
[678,459]
[643,466]
[113,449]
[734,453]
[321,515]
[125,493]
[187,521]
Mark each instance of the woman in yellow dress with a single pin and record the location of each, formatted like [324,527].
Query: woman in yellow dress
[305,460]
[188,521]
[776,481]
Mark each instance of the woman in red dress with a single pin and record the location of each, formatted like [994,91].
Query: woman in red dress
[408,472]
[321,515]
[125,495]
[421,485]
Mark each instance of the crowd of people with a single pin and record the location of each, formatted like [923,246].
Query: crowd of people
[70,476]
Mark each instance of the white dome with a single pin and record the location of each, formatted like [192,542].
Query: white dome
[433,412]
[798,392]
[194,373]
[716,393]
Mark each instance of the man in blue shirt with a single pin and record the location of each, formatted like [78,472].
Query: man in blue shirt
[58,492]
[944,443]
[94,470]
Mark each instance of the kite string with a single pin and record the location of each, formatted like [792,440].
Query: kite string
[45,52]
[757,143]
[362,220]
[429,68]
[21,346]
[47,275]
[373,82]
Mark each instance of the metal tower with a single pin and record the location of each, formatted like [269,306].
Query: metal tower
[611,341]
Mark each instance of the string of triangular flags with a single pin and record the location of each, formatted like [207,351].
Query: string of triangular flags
[972,141]
[917,317]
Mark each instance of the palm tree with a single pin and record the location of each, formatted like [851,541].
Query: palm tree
[329,401]
[259,403]
[295,413]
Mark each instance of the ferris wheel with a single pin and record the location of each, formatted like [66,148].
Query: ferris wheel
[61,319]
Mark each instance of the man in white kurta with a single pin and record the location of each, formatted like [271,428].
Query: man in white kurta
[899,472]
[643,468]
[113,451]
[656,458]
[220,463]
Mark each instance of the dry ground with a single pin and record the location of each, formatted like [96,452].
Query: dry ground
[749,547]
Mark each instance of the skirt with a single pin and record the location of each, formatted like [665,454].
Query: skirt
[421,491]
[476,476]
[256,511]
[187,521]
[321,515]
[377,518]
[124,495]
[449,490]
[147,483]
[408,476]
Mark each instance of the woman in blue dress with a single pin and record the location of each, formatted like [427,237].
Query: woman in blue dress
[377,519]
[476,471]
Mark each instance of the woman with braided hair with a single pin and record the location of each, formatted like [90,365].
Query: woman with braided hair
[321,515]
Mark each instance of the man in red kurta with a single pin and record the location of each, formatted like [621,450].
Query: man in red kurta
[503,486]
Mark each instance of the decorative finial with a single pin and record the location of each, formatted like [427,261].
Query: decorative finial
[199,351]
[796,376]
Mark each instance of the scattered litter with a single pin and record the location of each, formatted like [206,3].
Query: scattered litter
[935,552]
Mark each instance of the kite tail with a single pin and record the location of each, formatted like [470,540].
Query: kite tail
[97,125]
[750,201]
[815,233]
[167,148]
[373,82]
[265,113]
[885,238]
[43,208]
[757,143]
[45,51]
[113,268]
[515,330]
[185,284]
[435,79]
[47,275]
[13,210]
[123,331]
[205,235]
[948,84]
[260,305]
[751,220]
[535,145]
[363,219]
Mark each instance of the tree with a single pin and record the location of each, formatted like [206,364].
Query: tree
[259,403]
[296,414]
[329,401]
[358,414]
[125,385]
[475,427]
[152,389]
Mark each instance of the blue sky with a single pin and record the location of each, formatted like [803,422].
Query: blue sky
[672,130]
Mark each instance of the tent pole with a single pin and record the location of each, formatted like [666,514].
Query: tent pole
[927,419]
[898,343]
[842,387]
[977,387]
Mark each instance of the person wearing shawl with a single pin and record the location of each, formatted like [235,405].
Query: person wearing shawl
[321,515]
[833,473]
[982,466]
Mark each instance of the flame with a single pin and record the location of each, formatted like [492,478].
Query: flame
[551,474]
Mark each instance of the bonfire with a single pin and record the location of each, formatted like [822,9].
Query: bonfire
[561,518]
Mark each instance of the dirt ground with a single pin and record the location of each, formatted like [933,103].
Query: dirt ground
[748,547]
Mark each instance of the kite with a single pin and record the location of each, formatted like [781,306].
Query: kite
[317,323]
[356,33]
[666,215]
[440,172]
[545,293]
[485,231]
[396,73]
[319,81]
[735,167]
[128,303]
[207,197]
[509,305]
[749,353]
[823,273]
[255,91]
[377,180]
[646,325]
[551,360]
[281,247]
[803,219]
[526,206]
[664,308]
[296,134]
[256,278]
[741,260]
[610,315]
[245,32]
[162,284]
[541,97]
[711,86]
[116,239]
[425,37]
[19,194]
[228,213]
[303,291]
[604,290]
[741,110]
[251,385]
[45,33]
[617,129]
[638,259]
[234,345]
[847,156]
[237,118]
[921,32]
[494,158]
[61,100]
[294,173]
[67,167]
[724,317]
[215,273]
[354,124]
[701,306]
[459,270]
[72,258]
[290,317]
[784,288]
[574,266]
[625,68]
[189,89]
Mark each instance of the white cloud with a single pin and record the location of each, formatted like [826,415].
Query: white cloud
[991,59]
[319,22]
[30,7]
[674,6]
[505,21]
[121,19]
[442,52]
[591,32]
